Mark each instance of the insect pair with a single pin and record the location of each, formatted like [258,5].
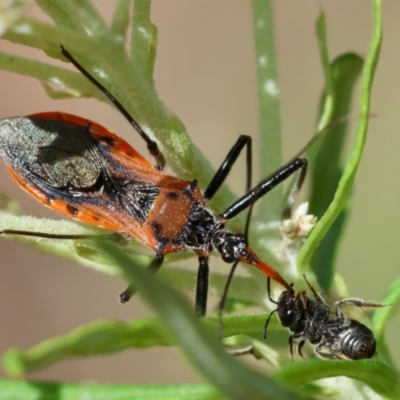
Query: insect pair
[84,171]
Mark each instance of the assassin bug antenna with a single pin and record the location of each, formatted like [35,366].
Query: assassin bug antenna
[151,144]
[81,169]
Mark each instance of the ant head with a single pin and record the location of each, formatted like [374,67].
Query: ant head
[356,341]
[290,309]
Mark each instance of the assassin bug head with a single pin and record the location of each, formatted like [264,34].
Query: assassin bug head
[233,247]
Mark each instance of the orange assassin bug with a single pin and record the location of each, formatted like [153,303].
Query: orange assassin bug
[84,171]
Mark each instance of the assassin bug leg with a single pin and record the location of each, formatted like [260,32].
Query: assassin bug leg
[151,144]
[202,287]
[153,267]
[294,193]
[225,168]
[264,187]
[45,235]
[214,185]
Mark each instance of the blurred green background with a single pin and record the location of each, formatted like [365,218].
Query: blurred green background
[205,73]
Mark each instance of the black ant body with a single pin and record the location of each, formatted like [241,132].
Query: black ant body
[340,338]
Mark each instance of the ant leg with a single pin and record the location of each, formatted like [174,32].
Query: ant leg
[300,348]
[226,166]
[153,267]
[202,287]
[269,291]
[265,328]
[264,187]
[358,303]
[292,344]
[321,350]
[317,296]
[151,144]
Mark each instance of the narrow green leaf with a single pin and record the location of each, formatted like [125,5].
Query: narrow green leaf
[49,74]
[328,103]
[380,318]
[120,21]
[144,39]
[107,337]
[48,38]
[327,167]
[33,390]
[270,149]
[345,185]
[10,13]
[382,315]
[9,205]
[88,16]
[101,337]
[373,373]
[77,15]
[60,13]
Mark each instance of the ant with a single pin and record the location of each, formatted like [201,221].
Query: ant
[84,171]
[340,338]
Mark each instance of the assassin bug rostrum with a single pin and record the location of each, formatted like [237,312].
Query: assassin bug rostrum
[84,171]
[340,338]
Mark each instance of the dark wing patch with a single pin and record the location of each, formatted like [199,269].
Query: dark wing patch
[63,161]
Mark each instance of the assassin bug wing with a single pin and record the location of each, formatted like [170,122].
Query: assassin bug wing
[81,170]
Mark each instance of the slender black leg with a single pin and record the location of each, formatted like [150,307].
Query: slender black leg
[202,287]
[265,328]
[269,291]
[151,144]
[154,266]
[45,235]
[263,187]
[214,185]
[221,305]
[287,211]
[316,295]
[226,166]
